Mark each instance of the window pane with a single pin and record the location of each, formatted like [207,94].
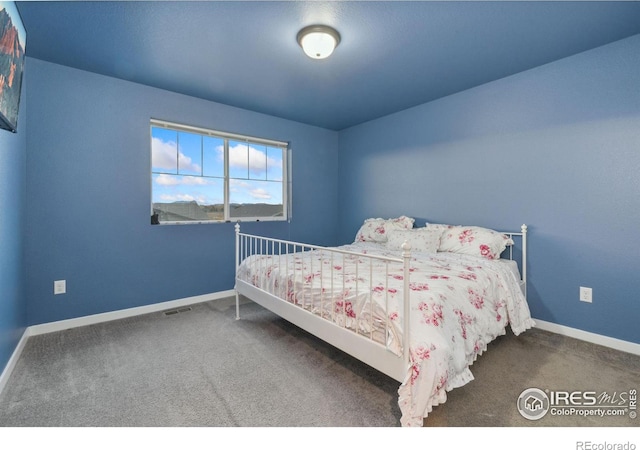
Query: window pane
[187,198]
[199,175]
[190,148]
[164,150]
[257,162]
[249,198]
[238,160]
[213,157]
[274,164]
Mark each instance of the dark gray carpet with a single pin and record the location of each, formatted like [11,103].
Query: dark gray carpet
[202,368]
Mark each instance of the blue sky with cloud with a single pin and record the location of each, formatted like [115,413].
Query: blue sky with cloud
[190,167]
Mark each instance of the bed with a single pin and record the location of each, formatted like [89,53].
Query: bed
[447,291]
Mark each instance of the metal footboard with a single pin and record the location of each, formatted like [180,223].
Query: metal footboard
[315,308]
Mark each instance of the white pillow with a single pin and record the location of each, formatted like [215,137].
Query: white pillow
[438,226]
[421,239]
[376,230]
[476,241]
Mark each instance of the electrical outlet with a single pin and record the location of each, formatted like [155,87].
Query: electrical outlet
[59,287]
[586,294]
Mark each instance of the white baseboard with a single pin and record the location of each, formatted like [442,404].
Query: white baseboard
[124,313]
[616,344]
[8,369]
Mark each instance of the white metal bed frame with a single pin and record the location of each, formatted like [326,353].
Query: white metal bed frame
[359,345]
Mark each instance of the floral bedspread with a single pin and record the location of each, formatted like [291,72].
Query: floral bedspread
[459,304]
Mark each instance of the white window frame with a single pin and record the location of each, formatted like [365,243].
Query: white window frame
[226,137]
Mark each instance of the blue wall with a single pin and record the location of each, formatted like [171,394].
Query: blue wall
[556,147]
[13,305]
[88,191]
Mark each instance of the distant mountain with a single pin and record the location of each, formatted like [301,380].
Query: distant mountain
[191,210]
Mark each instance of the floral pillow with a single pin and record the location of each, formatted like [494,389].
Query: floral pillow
[376,230]
[476,241]
[421,239]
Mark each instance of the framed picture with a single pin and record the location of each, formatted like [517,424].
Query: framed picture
[12,47]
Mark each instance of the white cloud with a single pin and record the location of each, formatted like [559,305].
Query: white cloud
[187,165]
[260,193]
[258,161]
[172,180]
[236,185]
[163,156]
[167,180]
[177,198]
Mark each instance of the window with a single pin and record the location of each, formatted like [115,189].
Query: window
[200,175]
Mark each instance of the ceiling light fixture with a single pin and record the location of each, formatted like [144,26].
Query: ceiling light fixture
[318,41]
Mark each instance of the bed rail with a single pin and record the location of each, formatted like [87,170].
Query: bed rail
[523,258]
[248,245]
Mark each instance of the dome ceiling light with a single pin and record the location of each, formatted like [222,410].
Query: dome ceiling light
[318,41]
